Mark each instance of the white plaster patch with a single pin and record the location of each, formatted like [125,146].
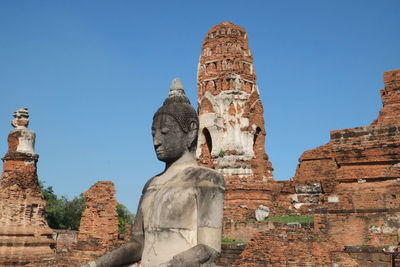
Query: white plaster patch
[389,230]
[26,142]
[374,229]
[261,213]
[294,198]
[227,131]
[298,205]
[333,199]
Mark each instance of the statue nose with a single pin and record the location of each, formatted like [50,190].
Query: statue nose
[156,141]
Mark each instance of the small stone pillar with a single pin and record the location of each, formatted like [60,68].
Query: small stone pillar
[25,236]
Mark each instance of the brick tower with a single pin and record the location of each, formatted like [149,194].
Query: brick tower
[25,236]
[232,133]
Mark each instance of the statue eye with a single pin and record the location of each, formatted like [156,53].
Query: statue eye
[164,130]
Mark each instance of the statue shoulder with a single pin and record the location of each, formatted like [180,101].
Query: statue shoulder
[203,175]
[147,184]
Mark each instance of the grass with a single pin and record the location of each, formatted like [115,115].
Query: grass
[227,240]
[291,218]
[288,219]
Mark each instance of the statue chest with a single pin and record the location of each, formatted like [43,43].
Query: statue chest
[170,206]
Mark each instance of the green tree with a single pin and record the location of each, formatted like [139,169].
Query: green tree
[62,213]
[73,212]
[124,217]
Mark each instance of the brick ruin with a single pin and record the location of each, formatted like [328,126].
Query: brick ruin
[232,133]
[349,186]
[25,236]
[100,213]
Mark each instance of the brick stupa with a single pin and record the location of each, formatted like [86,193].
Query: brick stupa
[25,236]
[232,133]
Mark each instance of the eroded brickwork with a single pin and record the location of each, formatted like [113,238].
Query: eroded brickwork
[232,132]
[98,230]
[349,183]
[351,187]
[24,234]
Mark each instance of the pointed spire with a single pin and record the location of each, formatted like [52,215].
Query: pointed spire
[21,118]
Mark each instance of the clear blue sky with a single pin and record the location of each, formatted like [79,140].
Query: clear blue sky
[93,73]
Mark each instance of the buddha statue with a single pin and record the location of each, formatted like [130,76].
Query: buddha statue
[179,218]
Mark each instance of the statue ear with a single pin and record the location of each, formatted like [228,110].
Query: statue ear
[192,134]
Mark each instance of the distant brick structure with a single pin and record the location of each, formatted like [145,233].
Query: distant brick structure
[25,236]
[98,230]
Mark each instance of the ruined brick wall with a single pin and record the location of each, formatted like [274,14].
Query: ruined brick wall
[390,94]
[230,253]
[351,187]
[98,230]
[370,152]
[285,247]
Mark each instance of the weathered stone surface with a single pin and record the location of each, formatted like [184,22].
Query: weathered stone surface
[98,230]
[261,213]
[24,234]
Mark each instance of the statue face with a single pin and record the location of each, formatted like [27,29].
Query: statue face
[169,141]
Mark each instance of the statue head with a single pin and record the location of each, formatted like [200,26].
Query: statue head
[175,125]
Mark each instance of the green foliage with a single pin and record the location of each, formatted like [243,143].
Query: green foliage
[73,212]
[124,217]
[62,213]
[287,219]
[227,240]
[221,154]
[291,218]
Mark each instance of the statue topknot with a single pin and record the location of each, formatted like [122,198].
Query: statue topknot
[177,105]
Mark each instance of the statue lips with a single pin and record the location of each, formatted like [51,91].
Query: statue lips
[159,152]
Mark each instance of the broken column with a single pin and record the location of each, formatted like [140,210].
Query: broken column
[98,230]
[25,236]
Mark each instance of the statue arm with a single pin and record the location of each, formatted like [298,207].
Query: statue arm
[126,254]
[210,205]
